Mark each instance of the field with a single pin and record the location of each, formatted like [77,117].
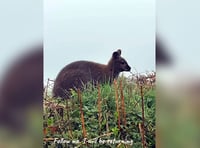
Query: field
[119,115]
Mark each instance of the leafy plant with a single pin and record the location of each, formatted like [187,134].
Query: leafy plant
[105,112]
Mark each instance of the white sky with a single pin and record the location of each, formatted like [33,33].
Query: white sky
[178,24]
[21,27]
[92,30]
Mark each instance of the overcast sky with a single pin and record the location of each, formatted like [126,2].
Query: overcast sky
[21,28]
[93,30]
[179,29]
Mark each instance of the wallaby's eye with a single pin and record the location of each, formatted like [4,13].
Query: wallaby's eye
[122,62]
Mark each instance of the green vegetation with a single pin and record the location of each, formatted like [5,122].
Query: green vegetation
[104,116]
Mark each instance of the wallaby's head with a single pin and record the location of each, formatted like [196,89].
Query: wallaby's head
[119,64]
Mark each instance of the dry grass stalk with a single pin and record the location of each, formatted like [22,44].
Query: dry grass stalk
[99,108]
[44,131]
[142,127]
[82,115]
[48,139]
[122,105]
[47,87]
[68,118]
[116,101]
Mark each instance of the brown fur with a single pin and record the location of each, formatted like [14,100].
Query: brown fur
[76,74]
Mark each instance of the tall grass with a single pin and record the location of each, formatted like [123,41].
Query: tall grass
[124,110]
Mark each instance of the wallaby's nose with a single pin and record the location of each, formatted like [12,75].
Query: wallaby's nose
[128,68]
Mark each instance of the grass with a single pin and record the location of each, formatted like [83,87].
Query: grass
[118,115]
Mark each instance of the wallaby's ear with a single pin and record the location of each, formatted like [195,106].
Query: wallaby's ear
[117,53]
